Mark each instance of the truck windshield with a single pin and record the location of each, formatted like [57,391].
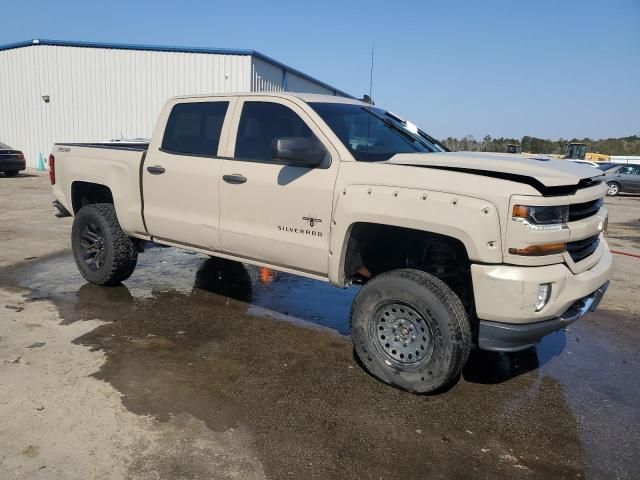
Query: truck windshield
[372,134]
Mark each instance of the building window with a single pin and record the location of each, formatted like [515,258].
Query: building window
[194,128]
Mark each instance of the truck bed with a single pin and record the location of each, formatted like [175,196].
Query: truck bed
[116,166]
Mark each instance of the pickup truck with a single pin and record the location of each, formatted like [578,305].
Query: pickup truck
[454,250]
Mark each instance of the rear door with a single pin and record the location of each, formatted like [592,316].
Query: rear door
[271,210]
[181,171]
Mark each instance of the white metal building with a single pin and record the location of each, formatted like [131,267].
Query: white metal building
[57,91]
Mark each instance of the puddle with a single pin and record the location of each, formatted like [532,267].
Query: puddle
[223,342]
[170,272]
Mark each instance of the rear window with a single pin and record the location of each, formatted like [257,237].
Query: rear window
[194,128]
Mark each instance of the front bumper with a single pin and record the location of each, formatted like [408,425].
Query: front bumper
[505,337]
[508,293]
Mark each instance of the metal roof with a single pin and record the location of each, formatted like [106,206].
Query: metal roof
[168,48]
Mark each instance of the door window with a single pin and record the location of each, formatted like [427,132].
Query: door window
[261,123]
[629,170]
[194,128]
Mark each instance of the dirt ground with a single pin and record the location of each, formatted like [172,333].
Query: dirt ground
[197,368]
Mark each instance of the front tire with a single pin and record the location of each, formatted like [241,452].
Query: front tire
[410,330]
[614,189]
[11,173]
[104,254]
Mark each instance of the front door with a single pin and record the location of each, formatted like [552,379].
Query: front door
[629,178]
[181,172]
[273,211]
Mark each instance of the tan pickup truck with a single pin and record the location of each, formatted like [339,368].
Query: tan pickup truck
[453,249]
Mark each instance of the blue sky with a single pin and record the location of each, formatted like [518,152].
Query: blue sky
[504,68]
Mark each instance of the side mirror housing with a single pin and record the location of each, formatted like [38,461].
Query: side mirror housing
[299,151]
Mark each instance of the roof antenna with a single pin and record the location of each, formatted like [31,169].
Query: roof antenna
[369,98]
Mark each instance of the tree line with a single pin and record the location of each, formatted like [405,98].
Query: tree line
[609,146]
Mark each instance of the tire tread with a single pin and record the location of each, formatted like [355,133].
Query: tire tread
[461,344]
[125,254]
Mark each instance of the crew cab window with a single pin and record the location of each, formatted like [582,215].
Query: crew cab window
[261,123]
[194,128]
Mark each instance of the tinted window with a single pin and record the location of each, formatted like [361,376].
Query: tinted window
[371,134]
[263,122]
[194,128]
[629,170]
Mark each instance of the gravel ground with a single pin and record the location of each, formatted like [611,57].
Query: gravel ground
[196,368]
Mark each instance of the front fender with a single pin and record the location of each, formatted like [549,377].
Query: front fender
[475,222]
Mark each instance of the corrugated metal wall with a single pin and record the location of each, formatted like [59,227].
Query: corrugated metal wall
[266,77]
[272,78]
[98,94]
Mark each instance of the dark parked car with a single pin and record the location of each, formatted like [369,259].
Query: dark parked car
[621,178]
[11,161]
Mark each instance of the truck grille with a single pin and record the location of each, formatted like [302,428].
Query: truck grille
[578,211]
[581,249]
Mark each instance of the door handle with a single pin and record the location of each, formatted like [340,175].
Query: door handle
[156,170]
[235,178]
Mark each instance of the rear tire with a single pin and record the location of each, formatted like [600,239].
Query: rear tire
[614,189]
[11,173]
[104,254]
[410,330]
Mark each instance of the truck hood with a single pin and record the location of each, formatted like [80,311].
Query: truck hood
[536,170]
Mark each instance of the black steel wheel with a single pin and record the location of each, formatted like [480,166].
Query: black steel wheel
[104,254]
[401,335]
[410,330]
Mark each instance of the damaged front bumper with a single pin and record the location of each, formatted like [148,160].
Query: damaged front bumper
[509,337]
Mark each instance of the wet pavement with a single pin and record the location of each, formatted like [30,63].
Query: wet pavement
[235,345]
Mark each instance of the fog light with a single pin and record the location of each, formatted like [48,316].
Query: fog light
[544,294]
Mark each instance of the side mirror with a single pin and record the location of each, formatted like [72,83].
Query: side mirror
[300,151]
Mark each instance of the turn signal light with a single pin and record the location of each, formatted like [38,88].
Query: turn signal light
[520,211]
[538,250]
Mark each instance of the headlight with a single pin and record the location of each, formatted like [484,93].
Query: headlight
[548,215]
